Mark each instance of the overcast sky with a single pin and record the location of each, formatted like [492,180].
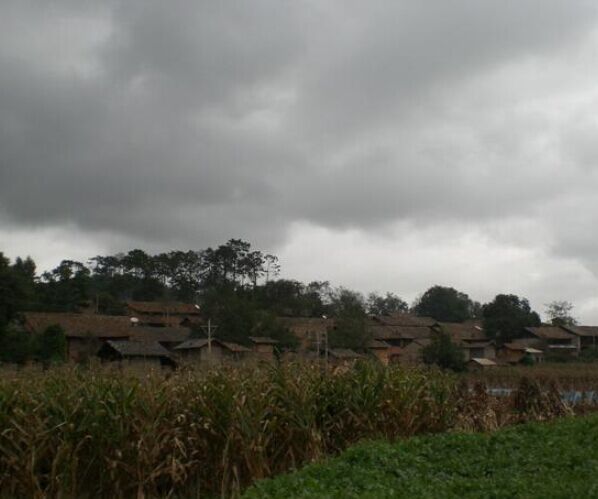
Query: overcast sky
[381,145]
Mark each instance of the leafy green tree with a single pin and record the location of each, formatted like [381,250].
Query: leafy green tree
[444,353]
[507,316]
[15,345]
[559,313]
[66,288]
[51,345]
[385,305]
[444,304]
[16,287]
[231,312]
[108,305]
[350,331]
[290,298]
[138,263]
[265,324]
[184,273]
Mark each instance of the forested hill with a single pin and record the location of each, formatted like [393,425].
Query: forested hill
[237,287]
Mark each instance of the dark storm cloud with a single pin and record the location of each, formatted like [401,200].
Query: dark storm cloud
[199,121]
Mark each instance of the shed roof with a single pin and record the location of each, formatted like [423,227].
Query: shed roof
[522,347]
[80,325]
[197,343]
[138,348]
[378,345]
[483,362]
[550,333]
[263,340]
[533,350]
[235,347]
[344,353]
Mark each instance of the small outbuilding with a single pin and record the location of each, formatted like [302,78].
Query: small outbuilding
[515,352]
[263,347]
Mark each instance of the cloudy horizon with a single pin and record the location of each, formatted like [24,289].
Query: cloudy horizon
[383,146]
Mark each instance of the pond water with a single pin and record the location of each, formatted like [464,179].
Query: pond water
[570,396]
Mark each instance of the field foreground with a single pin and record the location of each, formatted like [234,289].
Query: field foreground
[536,460]
[78,432]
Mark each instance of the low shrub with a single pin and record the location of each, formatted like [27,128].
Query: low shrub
[557,460]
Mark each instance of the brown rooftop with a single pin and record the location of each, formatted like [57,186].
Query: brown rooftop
[521,347]
[263,340]
[195,343]
[388,332]
[463,331]
[378,345]
[165,308]
[235,347]
[344,353]
[550,333]
[203,343]
[80,325]
[475,344]
[483,362]
[160,334]
[139,348]
[587,331]
[403,319]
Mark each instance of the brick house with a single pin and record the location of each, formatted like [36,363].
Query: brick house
[588,335]
[400,329]
[84,333]
[552,339]
[471,337]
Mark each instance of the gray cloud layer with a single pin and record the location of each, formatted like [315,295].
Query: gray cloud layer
[198,121]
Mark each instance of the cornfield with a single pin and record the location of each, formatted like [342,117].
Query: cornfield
[73,432]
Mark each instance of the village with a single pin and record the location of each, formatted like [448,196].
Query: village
[165,334]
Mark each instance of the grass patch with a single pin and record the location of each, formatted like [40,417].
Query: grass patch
[536,460]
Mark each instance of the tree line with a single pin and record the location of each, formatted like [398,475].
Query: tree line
[239,288]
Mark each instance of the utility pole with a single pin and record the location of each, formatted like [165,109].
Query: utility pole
[318,342]
[209,328]
[325,341]
[326,349]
